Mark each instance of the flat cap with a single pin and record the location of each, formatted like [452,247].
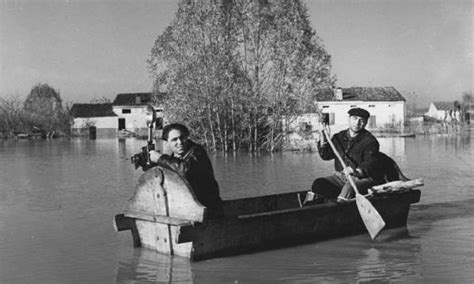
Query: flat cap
[357,111]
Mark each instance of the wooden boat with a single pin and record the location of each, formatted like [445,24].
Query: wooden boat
[164,215]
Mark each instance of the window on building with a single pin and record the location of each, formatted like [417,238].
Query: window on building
[353,106]
[126,110]
[371,105]
[325,106]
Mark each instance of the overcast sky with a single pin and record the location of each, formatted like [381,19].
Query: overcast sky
[93,48]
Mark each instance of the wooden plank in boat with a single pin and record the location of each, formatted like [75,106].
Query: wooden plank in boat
[158,218]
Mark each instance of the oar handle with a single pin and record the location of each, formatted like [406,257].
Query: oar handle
[351,181]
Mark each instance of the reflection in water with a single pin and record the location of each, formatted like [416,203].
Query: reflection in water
[122,148]
[150,266]
[453,143]
[394,147]
[434,212]
[122,154]
[390,258]
[346,260]
[371,267]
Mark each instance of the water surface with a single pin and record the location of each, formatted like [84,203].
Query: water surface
[58,199]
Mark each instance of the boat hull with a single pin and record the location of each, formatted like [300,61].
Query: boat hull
[252,224]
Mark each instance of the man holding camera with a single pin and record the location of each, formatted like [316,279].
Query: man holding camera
[357,147]
[189,160]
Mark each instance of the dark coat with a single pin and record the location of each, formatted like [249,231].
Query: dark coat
[196,168]
[356,152]
[381,168]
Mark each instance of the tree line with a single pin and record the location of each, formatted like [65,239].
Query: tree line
[41,112]
[236,71]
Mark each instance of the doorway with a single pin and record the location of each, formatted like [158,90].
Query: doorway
[121,123]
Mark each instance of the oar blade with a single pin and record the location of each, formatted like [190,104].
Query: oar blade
[371,217]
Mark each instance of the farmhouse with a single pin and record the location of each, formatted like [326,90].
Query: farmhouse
[443,111]
[125,116]
[386,105]
[88,118]
[131,111]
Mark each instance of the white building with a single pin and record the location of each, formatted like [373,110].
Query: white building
[93,120]
[127,114]
[440,111]
[131,111]
[387,107]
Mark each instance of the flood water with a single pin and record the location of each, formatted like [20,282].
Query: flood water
[58,199]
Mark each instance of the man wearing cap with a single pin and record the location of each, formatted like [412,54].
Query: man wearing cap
[356,146]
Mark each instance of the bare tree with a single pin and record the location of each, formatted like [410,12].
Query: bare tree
[234,69]
[11,115]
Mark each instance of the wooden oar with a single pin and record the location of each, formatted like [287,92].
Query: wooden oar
[371,217]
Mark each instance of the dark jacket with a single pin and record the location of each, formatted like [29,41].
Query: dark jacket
[381,168]
[196,168]
[356,152]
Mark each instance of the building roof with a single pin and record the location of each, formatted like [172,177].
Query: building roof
[92,110]
[132,99]
[361,94]
[137,99]
[444,105]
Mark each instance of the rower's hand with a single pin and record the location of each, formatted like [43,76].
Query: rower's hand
[348,171]
[154,156]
